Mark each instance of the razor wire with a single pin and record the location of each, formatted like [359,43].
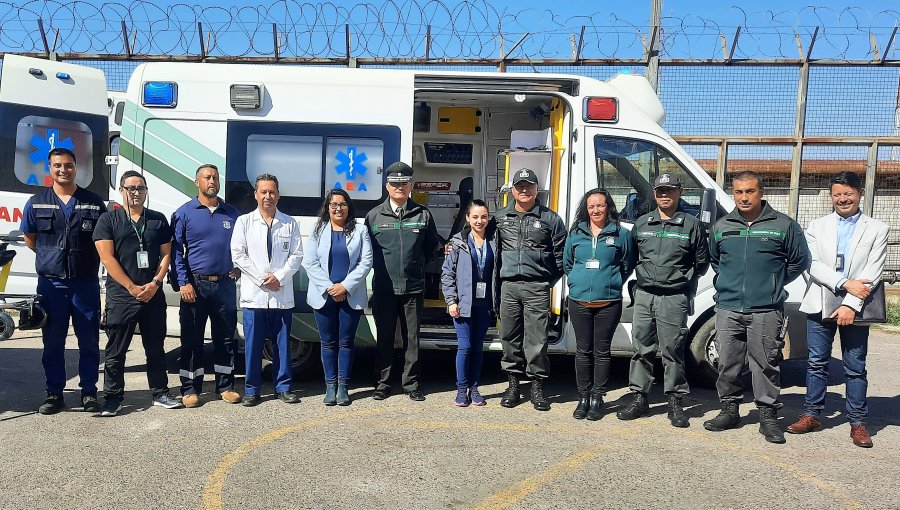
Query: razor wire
[401,29]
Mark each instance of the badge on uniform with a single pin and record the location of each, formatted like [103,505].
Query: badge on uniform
[285,245]
[87,225]
[226,224]
[143,260]
[592,264]
[480,290]
[610,241]
[537,224]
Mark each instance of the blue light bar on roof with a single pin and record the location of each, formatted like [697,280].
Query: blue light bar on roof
[162,94]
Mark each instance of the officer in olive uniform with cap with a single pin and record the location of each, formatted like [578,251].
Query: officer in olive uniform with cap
[531,242]
[404,240]
[673,253]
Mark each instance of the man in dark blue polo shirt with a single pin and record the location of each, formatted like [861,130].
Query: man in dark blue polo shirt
[206,280]
[58,223]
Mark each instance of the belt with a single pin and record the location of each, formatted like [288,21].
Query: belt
[209,277]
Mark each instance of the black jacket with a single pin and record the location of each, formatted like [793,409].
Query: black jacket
[401,246]
[531,244]
[673,253]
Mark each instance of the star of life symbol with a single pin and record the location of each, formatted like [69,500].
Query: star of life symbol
[42,146]
[351,163]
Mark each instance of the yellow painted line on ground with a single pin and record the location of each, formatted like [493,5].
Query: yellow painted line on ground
[508,497]
[212,494]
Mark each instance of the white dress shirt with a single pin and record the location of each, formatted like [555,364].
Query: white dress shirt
[249,253]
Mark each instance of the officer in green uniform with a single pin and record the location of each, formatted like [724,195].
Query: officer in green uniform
[404,240]
[674,253]
[755,251]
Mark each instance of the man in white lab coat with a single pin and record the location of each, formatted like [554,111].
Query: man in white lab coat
[267,248]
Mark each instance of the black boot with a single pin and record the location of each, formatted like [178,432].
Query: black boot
[676,412]
[511,397]
[537,396]
[768,425]
[582,408]
[595,411]
[728,418]
[639,407]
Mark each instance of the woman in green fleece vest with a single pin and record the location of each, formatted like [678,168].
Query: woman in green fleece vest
[600,254]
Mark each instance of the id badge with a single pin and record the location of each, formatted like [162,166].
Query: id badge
[592,264]
[480,290]
[839,262]
[143,260]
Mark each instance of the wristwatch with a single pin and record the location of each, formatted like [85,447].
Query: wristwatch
[157,282]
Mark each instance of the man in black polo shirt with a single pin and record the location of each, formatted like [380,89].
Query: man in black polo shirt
[135,245]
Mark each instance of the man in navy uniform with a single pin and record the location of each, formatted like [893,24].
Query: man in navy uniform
[58,223]
[205,274]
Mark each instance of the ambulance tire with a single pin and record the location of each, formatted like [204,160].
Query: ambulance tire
[703,354]
[304,356]
[7,326]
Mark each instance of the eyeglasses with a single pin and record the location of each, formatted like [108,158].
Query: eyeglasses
[846,194]
[135,189]
[338,205]
[398,184]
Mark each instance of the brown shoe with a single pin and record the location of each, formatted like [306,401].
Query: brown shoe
[805,424]
[860,436]
[190,401]
[230,396]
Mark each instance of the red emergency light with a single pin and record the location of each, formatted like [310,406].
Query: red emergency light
[601,109]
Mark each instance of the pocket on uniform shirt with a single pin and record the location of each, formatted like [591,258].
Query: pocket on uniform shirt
[282,243]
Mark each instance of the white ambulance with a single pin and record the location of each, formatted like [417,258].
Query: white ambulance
[44,105]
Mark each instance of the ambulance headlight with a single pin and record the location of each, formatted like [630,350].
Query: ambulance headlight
[161,94]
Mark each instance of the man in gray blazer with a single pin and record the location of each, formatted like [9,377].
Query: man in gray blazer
[848,252]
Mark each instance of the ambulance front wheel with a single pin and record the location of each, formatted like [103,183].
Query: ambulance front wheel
[7,326]
[703,355]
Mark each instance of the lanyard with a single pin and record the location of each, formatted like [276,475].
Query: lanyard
[139,234]
[480,256]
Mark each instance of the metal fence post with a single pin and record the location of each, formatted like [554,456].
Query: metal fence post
[799,129]
[868,204]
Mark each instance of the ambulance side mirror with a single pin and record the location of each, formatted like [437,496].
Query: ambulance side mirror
[709,207]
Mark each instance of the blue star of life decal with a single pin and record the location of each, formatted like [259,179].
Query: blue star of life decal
[44,145]
[351,163]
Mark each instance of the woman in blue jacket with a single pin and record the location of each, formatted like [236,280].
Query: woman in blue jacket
[469,281]
[337,258]
[600,254]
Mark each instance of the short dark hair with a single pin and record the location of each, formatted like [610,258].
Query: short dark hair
[746,175]
[847,179]
[266,177]
[61,151]
[131,173]
[206,165]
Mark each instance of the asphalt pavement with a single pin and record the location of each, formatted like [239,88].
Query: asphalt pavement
[399,454]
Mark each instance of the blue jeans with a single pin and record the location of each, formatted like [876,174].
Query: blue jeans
[259,324]
[854,344]
[337,324]
[470,333]
[78,298]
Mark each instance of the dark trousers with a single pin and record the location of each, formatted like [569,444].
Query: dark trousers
[854,346]
[660,323]
[524,313]
[337,323]
[121,321]
[387,309]
[259,324]
[594,328]
[216,301]
[470,333]
[759,337]
[78,299]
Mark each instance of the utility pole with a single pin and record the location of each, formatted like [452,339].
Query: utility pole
[653,50]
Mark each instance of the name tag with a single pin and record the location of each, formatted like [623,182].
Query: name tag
[839,262]
[143,260]
[480,290]
[592,264]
